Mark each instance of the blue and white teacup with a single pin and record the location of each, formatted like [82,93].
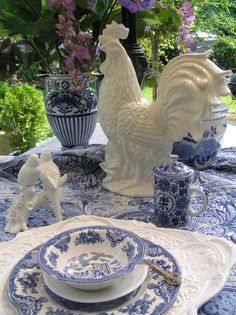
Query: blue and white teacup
[173,194]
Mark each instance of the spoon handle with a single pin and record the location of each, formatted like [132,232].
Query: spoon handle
[171,278]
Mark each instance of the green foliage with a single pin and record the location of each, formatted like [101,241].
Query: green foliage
[23,116]
[4,86]
[217,17]
[230,102]
[32,23]
[28,23]
[147,89]
[224,52]
[167,50]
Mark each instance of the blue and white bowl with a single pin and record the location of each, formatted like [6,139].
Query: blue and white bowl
[91,258]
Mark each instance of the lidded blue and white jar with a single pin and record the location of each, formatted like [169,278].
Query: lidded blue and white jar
[202,154]
[173,191]
[71,112]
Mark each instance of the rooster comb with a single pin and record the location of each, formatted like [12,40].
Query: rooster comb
[116,31]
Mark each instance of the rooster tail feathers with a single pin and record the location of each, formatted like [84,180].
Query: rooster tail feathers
[190,85]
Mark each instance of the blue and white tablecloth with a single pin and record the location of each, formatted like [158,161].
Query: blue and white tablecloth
[84,194]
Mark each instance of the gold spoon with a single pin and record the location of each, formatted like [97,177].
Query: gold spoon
[171,278]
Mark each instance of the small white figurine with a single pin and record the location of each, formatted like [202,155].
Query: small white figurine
[25,201]
[28,199]
[29,173]
[52,181]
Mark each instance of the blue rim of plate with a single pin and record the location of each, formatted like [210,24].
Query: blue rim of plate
[141,249]
[29,297]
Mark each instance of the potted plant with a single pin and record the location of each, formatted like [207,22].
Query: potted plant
[71,105]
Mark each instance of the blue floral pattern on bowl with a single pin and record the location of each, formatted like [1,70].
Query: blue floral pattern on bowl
[91,257]
[155,296]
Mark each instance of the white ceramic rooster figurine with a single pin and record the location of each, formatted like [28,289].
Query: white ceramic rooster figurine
[141,134]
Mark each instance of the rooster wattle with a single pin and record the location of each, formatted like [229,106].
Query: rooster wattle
[141,133]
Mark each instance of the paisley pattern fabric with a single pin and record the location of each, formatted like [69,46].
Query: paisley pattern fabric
[84,194]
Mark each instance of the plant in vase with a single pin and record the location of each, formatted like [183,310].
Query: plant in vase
[71,105]
[47,37]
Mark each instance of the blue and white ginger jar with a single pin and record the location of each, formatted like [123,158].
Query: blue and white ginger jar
[202,154]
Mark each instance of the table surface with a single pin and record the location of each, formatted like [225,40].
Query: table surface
[84,194]
[99,137]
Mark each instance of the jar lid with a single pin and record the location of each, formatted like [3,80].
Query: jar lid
[220,108]
[173,170]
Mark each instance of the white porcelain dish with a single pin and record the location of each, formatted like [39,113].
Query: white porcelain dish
[128,284]
[91,258]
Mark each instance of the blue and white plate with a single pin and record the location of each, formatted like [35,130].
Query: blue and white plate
[128,284]
[29,295]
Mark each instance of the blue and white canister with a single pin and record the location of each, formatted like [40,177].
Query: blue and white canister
[173,191]
[202,154]
[71,112]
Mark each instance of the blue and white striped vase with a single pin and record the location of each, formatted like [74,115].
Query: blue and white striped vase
[72,114]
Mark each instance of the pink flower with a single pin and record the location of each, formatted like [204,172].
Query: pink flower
[77,45]
[137,5]
[187,12]
[70,32]
[90,4]
[84,37]
[55,3]
[61,18]
[183,32]
[69,5]
[70,15]
[27,47]
[68,44]
[190,40]
[70,60]
[82,53]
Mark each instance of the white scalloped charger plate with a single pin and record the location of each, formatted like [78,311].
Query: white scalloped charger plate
[205,261]
[128,284]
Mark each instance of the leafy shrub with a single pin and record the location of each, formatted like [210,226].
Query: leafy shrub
[4,86]
[23,117]
[231,102]
[224,52]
